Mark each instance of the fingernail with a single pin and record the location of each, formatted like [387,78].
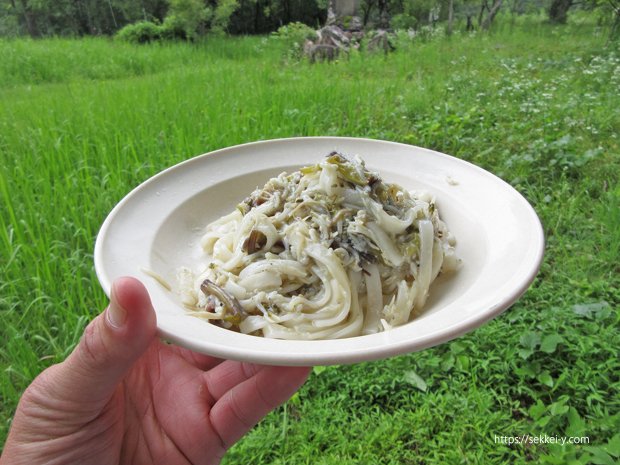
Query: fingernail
[115,313]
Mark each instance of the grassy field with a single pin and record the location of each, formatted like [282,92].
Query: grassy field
[83,122]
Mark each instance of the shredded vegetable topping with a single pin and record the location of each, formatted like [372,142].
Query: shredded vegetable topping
[329,251]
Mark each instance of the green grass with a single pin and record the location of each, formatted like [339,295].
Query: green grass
[83,122]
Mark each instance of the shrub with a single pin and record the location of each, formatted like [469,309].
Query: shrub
[140,33]
[185,20]
[222,14]
[173,28]
[293,36]
[9,26]
[404,21]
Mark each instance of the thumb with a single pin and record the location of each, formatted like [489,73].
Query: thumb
[111,344]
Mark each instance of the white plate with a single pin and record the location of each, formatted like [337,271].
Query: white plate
[157,226]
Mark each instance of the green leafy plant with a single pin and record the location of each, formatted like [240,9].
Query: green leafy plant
[293,37]
[222,13]
[403,21]
[185,19]
[140,33]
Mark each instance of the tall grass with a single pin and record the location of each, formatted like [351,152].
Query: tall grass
[26,61]
[82,122]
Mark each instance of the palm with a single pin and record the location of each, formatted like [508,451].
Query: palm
[185,407]
[124,396]
[167,402]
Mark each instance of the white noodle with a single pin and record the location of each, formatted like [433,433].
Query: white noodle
[374,299]
[426,261]
[330,251]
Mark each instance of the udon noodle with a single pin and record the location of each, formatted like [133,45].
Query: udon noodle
[329,251]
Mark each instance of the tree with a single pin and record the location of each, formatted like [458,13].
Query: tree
[186,18]
[614,34]
[492,12]
[27,15]
[79,17]
[484,22]
[384,14]
[366,8]
[264,16]
[407,14]
[558,11]
[222,13]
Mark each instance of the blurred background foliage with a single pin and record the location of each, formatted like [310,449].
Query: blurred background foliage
[189,19]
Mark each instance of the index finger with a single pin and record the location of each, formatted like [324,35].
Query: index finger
[242,407]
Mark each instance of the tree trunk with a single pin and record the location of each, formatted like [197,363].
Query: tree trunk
[30,20]
[558,11]
[492,13]
[113,15]
[614,33]
[384,15]
[84,25]
[470,24]
[450,16]
[366,10]
[287,11]
[483,6]
[256,16]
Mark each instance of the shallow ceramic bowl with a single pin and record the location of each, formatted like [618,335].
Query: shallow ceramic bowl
[157,227]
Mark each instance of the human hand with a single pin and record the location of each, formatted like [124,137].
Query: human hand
[123,396]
